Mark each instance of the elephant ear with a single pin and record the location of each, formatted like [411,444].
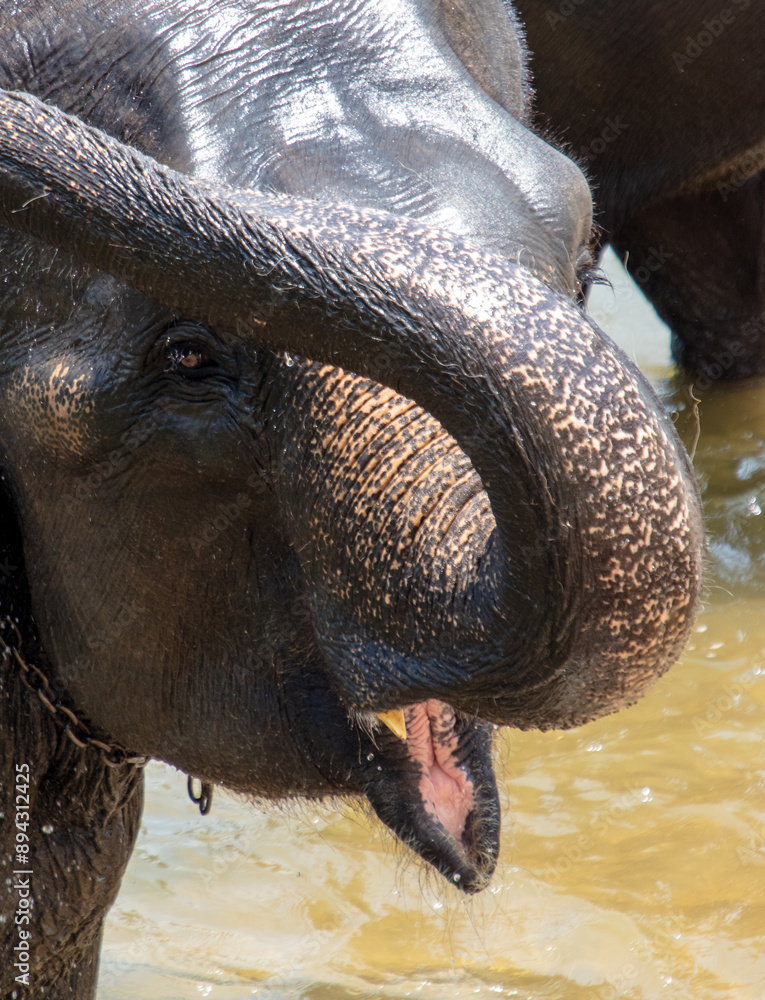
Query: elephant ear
[487,38]
[22,260]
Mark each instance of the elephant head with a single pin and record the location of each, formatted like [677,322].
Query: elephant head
[468,509]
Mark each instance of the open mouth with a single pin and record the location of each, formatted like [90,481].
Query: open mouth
[436,789]
[431,739]
[426,772]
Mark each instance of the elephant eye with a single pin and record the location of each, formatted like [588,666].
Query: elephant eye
[189,361]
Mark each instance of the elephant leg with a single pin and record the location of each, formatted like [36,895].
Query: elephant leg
[68,821]
[700,259]
[80,818]
[75,978]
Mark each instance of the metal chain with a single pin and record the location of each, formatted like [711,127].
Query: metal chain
[112,754]
[204,799]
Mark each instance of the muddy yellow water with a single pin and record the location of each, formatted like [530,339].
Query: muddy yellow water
[633,858]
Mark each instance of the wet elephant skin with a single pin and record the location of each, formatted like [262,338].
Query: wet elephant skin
[230,557]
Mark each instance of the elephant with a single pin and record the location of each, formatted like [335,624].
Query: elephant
[663,105]
[313,471]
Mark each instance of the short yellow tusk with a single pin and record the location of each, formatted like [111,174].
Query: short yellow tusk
[395,721]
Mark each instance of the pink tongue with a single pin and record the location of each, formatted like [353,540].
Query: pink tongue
[431,740]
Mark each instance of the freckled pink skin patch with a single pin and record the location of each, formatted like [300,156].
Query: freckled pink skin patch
[447,792]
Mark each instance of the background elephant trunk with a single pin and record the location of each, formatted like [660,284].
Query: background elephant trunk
[591,589]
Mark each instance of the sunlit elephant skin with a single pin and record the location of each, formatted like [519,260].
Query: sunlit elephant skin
[230,558]
[664,107]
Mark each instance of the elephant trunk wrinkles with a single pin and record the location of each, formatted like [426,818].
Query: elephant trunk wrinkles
[390,518]
[597,513]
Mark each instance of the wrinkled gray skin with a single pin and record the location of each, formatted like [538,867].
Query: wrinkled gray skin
[228,557]
[663,104]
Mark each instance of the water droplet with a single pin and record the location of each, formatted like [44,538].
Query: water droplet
[456,877]
[288,360]
[47,828]
[370,756]
[379,768]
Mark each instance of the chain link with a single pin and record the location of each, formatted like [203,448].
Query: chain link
[204,799]
[112,754]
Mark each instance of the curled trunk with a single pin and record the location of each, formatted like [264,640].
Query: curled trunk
[589,589]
